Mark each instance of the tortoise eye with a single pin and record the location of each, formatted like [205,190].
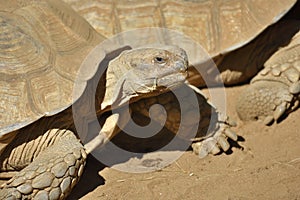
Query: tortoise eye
[159,60]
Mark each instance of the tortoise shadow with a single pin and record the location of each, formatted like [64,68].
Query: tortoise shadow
[138,147]
[89,180]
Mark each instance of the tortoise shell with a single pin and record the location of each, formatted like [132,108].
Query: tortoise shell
[219,26]
[42,45]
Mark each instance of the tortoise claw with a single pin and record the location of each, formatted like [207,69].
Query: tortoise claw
[268,120]
[280,110]
[231,134]
[203,148]
[222,141]
[215,150]
[216,142]
[200,149]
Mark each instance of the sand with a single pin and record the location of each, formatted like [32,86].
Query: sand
[264,164]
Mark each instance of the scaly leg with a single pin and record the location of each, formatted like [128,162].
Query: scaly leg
[52,173]
[275,91]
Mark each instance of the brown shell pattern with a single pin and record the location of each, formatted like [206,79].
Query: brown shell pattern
[42,44]
[219,26]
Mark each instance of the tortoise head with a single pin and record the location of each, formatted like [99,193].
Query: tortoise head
[147,71]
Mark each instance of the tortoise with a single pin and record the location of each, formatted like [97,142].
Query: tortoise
[43,45]
[70,34]
[233,32]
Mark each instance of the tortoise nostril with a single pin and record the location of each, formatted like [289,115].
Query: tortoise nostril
[183,69]
[180,66]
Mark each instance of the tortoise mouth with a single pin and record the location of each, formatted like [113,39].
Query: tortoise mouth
[172,80]
[163,84]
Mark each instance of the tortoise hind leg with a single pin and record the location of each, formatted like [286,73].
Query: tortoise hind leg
[275,91]
[52,174]
[267,101]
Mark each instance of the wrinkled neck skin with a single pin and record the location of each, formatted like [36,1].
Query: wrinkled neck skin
[119,89]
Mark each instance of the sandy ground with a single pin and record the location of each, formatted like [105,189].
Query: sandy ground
[266,165]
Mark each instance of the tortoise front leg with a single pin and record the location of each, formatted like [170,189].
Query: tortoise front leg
[205,139]
[110,128]
[53,173]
